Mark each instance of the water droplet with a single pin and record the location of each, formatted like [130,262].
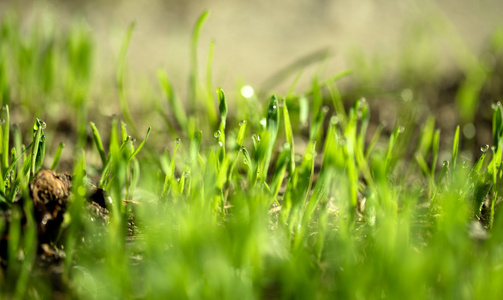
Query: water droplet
[445,163]
[401,129]
[493,148]
[274,107]
[92,219]
[484,148]
[258,138]
[242,148]
[177,141]
[242,122]
[132,139]
[245,161]
[325,109]
[186,174]
[263,122]
[496,105]
[247,91]
[281,102]
[217,134]
[220,144]
[42,124]
[334,120]
[2,122]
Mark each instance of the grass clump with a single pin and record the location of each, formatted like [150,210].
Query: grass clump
[300,200]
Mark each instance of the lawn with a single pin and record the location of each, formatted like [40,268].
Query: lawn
[304,195]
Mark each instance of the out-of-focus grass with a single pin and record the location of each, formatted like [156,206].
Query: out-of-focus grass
[285,198]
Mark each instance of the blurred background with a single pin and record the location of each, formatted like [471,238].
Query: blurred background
[254,39]
[443,57]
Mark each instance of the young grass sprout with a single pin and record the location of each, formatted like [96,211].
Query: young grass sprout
[310,198]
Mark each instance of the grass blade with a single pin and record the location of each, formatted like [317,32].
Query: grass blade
[210,106]
[57,156]
[222,105]
[455,148]
[37,127]
[5,138]
[140,146]
[289,137]
[193,59]
[272,127]
[173,100]
[98,143]
[120,76]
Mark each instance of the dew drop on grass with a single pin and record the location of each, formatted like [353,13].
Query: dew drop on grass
[242,122]
[401,129]
[484,148]
[220,144]
[334,120]
[2,122]
[247,91]
[217,134]
[263,122]
[186,174]
[493,148]
[496,105]
[258,137]
[177,141]
[325,109]
[445,163]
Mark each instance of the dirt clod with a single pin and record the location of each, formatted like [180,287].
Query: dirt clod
[50,192]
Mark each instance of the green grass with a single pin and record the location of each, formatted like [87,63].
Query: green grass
[299,200]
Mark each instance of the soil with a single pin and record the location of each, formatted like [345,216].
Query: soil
[51,194]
